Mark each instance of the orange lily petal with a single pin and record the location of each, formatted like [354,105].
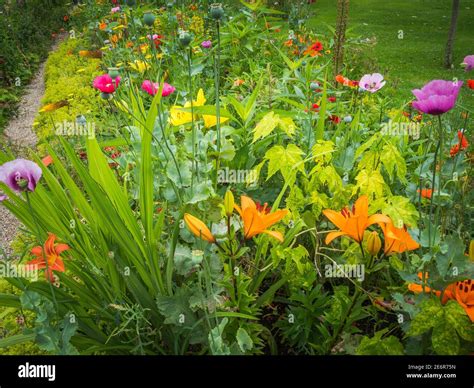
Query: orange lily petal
[61,248]
[272,218]
[247,202]
[335,217]
[332,235]
[274,234]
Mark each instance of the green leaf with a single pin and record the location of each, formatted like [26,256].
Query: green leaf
[16,340]
[444,339]
[269,122]
[370,183]
[244,340]
[399,209]
[378,346]
[285,160]
[459,320]
[393,161]
[429,316]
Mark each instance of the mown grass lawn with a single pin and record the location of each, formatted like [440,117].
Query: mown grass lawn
[417,58]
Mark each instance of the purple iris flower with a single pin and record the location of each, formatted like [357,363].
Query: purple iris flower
[20,175]
[437,97]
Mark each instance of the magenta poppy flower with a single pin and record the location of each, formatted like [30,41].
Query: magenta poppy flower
[20,175]
[372,82]
[436,97]
[152,87]
[105,83]
[468,62]
[206,44]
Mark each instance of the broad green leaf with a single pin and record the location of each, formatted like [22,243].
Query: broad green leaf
[288,161]
[271,121]
[378,346]
[393,162]
[444,339]
[370,183]
[399,209]
[429,316]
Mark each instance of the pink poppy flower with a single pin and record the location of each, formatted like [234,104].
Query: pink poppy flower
[152,87]
[105,83]
[436,97]
[372,82]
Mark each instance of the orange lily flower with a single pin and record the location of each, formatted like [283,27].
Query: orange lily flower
[418,288]
[52,252]
[461,291]
[198,228]
[353,223]
[258,220]
[397,240]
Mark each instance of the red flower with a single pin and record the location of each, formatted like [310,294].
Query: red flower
[332,99]
[315,107]
[335,119]
[314,49]
[52,261]
[470,83]
[462,145]
[426,193]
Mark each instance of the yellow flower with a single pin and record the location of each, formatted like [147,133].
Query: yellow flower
[180,117]
[139,66]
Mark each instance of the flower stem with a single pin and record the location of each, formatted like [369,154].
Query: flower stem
[193,129]
[217,60]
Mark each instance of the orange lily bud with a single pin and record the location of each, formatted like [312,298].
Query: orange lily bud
[374,243]
[198,228]
[229,203]
[471,250]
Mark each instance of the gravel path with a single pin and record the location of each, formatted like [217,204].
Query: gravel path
[20,137]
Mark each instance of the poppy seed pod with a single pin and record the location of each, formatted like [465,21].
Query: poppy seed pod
[314,86]
[149,18]
[106,96]
[185,38]
[217,12]
[374,243]
[114,72]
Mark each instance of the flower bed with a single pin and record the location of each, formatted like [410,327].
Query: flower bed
[220,191]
